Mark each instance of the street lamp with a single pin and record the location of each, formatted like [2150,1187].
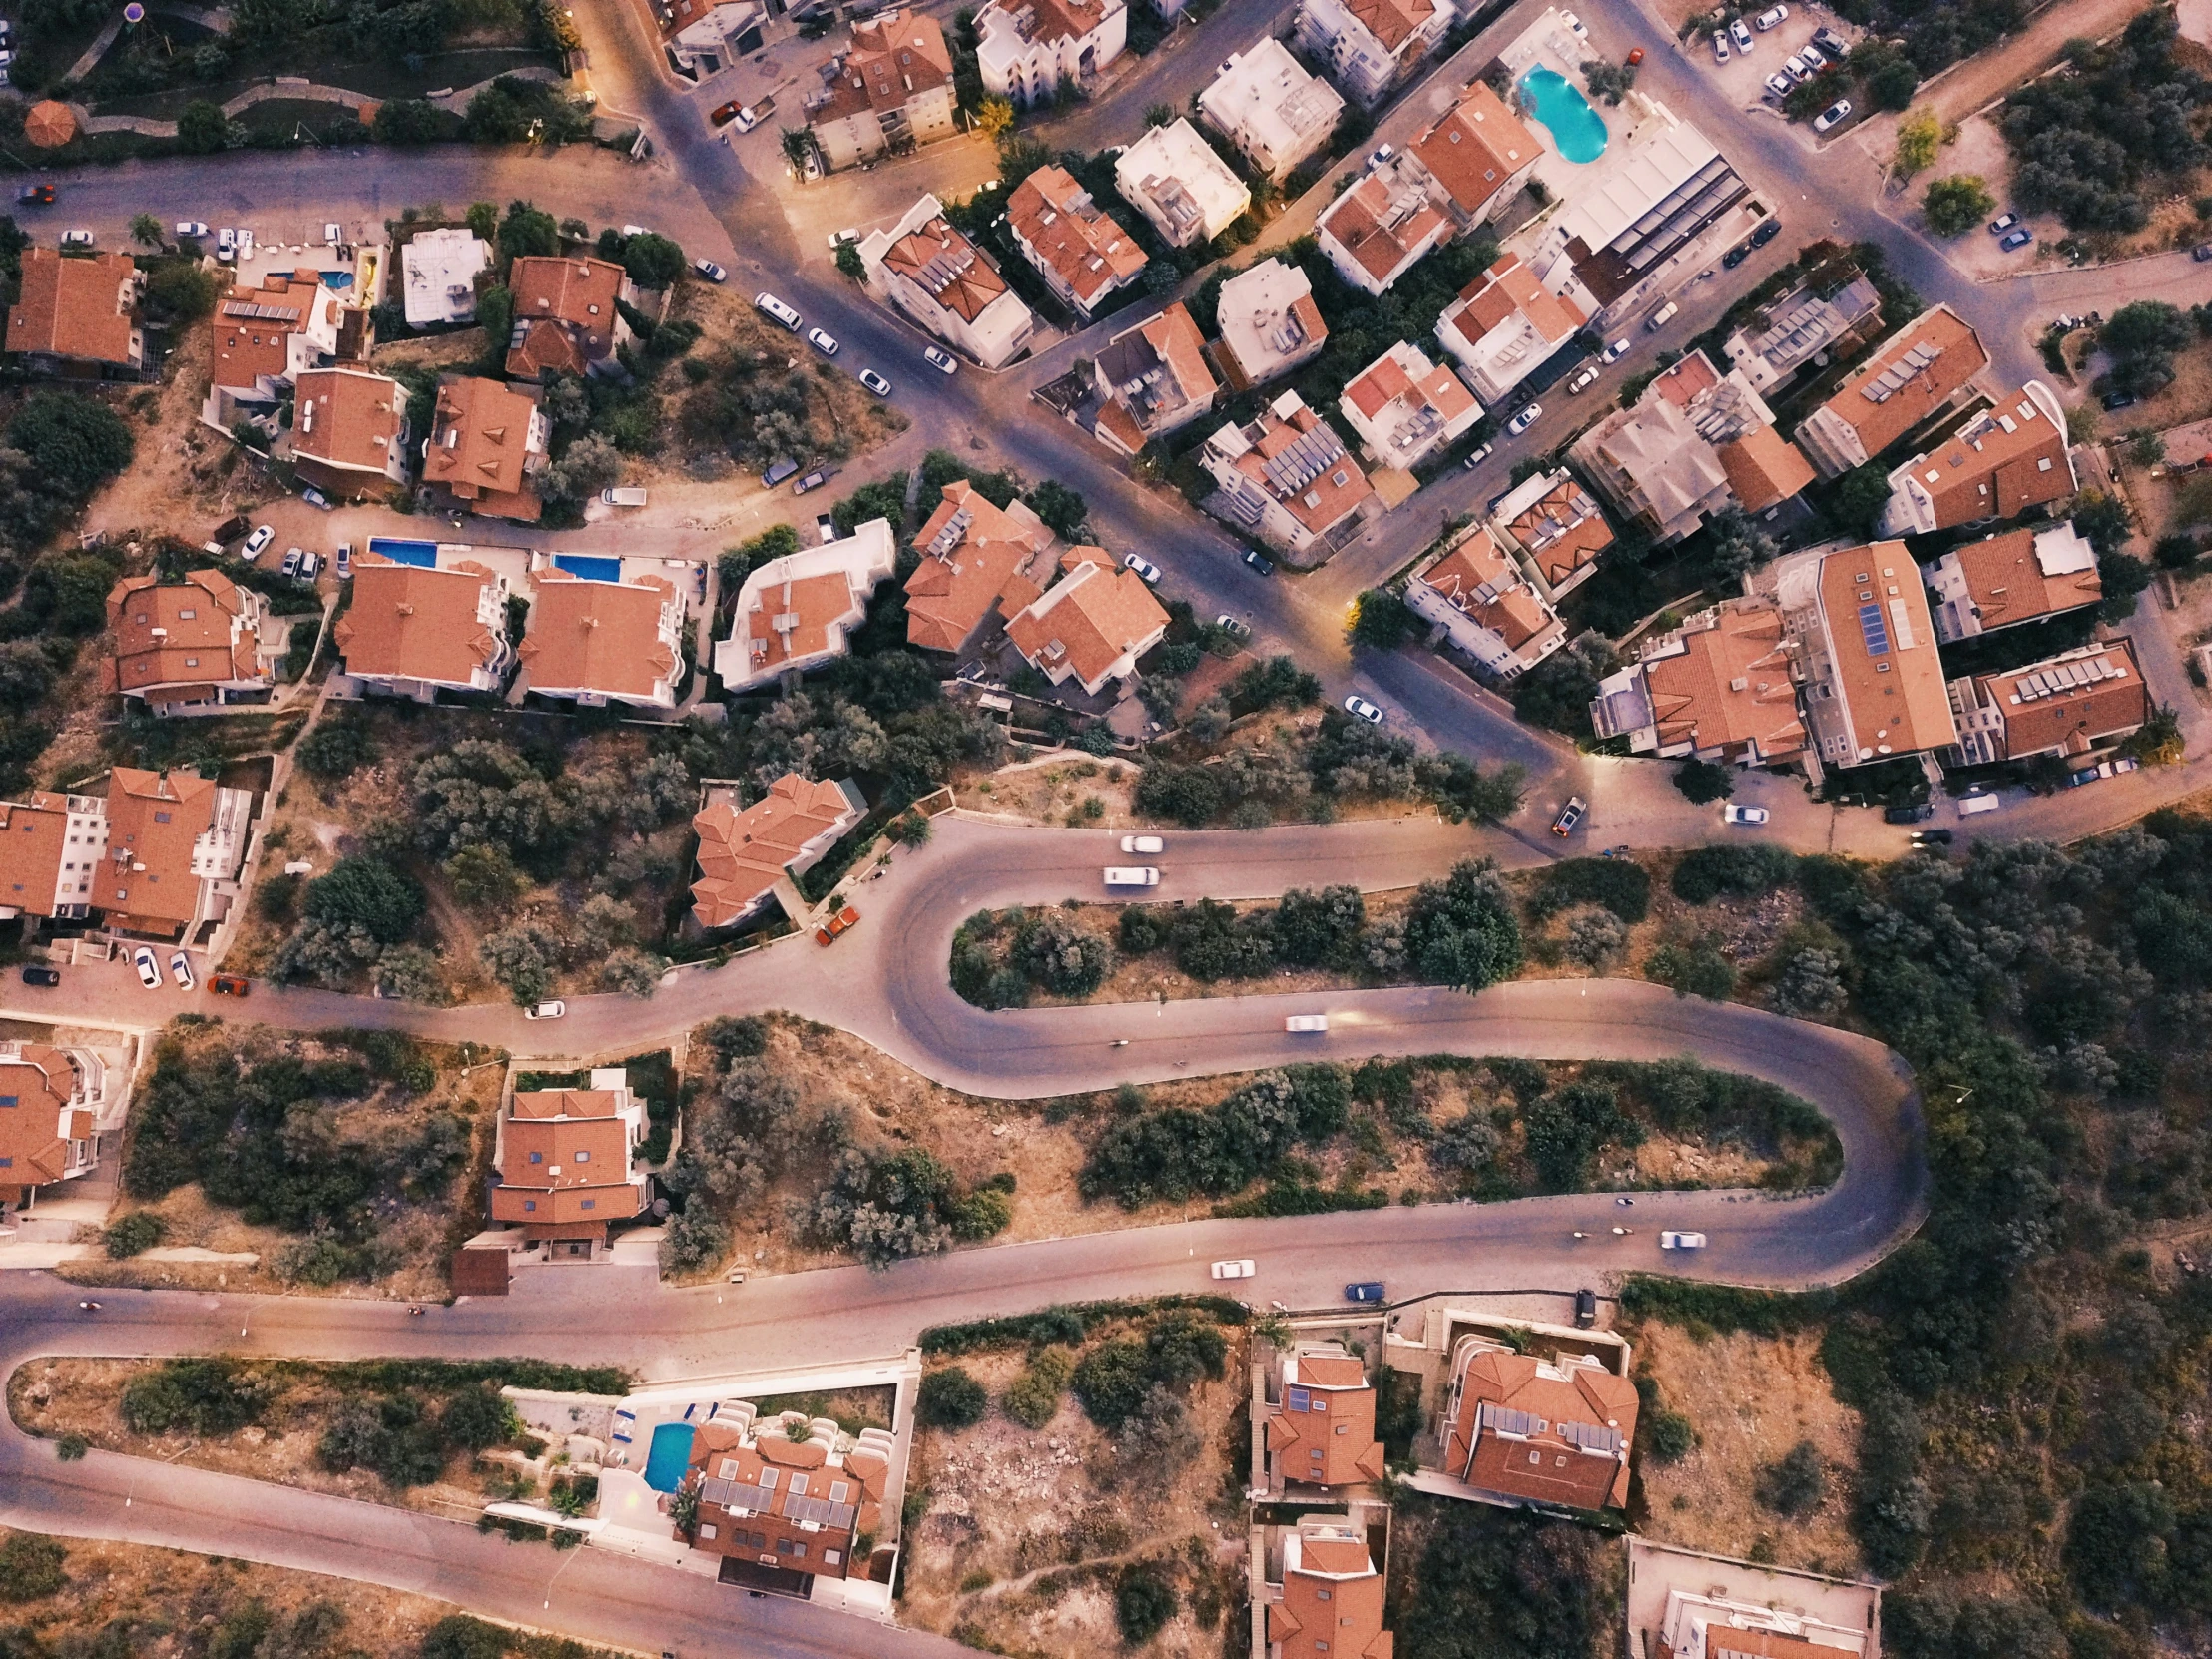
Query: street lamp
[557,1571]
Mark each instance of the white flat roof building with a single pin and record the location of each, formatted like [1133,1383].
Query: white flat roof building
[439,275]
[1266,104]
[1174,179]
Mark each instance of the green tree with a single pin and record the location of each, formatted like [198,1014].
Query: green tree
[1704,780]
[653,262]
[849,263]
[951,1398]
[1382,620]
[1462,931]
[797,146]
[1956,204]
[146,230]
[1144,1601]
[365,891]
[528,231]
[70,440]
[1918,136]
[483,219]
[994,116]
[1063,510]
[202,128]
[411,121]
[1860,495]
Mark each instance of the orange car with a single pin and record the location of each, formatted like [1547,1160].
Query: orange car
[843,921]
[231,984]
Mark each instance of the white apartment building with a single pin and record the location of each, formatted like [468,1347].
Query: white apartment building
[1486,606]
[796,613]
[1174,179]
[1269,323]
[1028,48]
[1405,407]
[1266,104]
[1370,44]
[1505,326]
[439,275]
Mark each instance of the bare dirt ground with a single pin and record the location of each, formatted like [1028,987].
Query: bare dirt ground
[184,479]
[1056,791]
[1023,1530]
[1751,1400]
[170,1595]
[52,1398]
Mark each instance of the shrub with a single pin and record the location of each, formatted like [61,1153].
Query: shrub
[1956,204]
[134,1234]
[71,1448]
[1144,1601]
[1033,1399]
[1672,1436]
[951,1398]
[1111,1380]
[336,748]
[1743,869]
[365,892]
[205,1397]
[30,1567]
[1461,931]
[1795,1486]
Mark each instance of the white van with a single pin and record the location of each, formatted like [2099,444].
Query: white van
[630,497]
[1970,804]
[771,307]
[1132,875]
[1662,316]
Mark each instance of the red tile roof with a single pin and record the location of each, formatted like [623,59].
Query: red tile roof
[347,418]
[1525,1430]
[600,637]
[988,562]
[891,59]
[741,852]
[1475,149]
[80,306]
[408,623]
[1089,250]
[145,883]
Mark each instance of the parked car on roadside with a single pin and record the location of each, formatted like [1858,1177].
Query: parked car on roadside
[1244,1269]
[1258,562]
[1733,813]
[1144,844]
[709,270]
[1720,46]
[1147,572]
[1526,420]
[262,535]
[1671,1240]
[942,362]
[1363,1290]
[876,383]
[230,984]
[1616,351]
[1359,708]
[1916,813]
[1834,116]
[180,967]
[1740,35]
[1569,816]
[149,971]
[2002,222]
[1584,381]
[46,976]
[546,1010]
[2019,239]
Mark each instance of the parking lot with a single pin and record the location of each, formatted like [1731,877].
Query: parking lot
[1743,77]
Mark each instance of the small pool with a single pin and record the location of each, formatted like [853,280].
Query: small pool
[669,1457]
[421,553]
[1575,127]
[591,570]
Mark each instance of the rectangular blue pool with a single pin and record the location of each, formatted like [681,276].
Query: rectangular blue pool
[669,1457]
[591,570]
[423,554]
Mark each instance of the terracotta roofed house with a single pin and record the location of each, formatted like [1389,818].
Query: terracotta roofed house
[1151,380]
[890,89]
[1369,45]
[704,37]
[1091,626]
[784,1500]
[744,851]
[487,443]
[977,561]
[946,283]
[266,338]
[1405,409]
[349,429]
[1286,474]
[46,1123]
[1863,648]
[796,612]
[1081,252]
[1555,525]
[53,846]
[605,642]
[2001,462]
[413,631]
[78,316]
[1269,325]
[176,843]
[1332,1601]
[1380,228]
[2020,576]
[1487,607]
[564,1160]
[566,315]
[1548,1430]
[1479,155]
[1911,378]
[1718,687]
[1320,1423]
[2068,704]
[1764,468]
[200,640]
[1028,48]
[1505,326]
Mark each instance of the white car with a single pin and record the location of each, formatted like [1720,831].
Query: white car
[1234,1270]
[1615,353]
[73,241]
[1733,813]
[1526,420]
[180,967]
[876,383]
[1779,84]
[1362,708]
[942,362]
[1482,454]
[1680,1240]
[1740,35]
[190,228]
[546,1010]
[709,270]
[1812,58]
[149,971]
[1144,844]
[1582,381]
[262,535]
[837,239]
[822,342]
[1834,116]
[1147,572]
[1305,1025]
[1794,67]
[1574,23]
[1720,46]
[1772,18]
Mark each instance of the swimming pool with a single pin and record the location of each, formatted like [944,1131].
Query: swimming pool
[590,569]
[1575,127]
[669,1457]
[423,554]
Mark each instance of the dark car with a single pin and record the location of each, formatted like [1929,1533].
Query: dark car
[723,113]
[1931,837]
[1766,233]
[1366,1290]
[1907,815]
[46,976]
[1736,255]
[2201,253]
[812,481]
[231,528]
[779,470]
[2114,401]
[1259,561]
[35,195]
[1585,1307]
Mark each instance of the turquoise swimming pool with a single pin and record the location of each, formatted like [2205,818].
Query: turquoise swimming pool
[1553,99]
[669,1456]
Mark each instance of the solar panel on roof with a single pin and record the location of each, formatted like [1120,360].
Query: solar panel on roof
[1506,1420]
[1876,634]
[1590,1436]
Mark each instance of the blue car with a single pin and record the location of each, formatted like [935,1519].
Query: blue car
[1366,1290]
[2017,239]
